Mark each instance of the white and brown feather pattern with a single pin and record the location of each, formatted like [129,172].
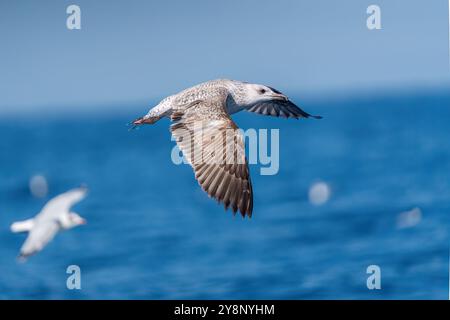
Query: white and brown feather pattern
[214,147]
[280,108]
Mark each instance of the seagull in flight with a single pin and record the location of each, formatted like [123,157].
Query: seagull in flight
[203,129]
[54,217]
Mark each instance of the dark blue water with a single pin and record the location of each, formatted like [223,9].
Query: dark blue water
[152,232]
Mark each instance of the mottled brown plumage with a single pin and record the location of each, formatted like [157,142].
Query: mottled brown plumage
[211,142]
[214,147]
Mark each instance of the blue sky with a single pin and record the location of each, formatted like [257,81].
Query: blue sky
[138,51]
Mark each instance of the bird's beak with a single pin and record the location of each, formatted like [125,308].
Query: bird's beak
[279,96]
[83,221]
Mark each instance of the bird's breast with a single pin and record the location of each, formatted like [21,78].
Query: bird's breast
[233,107]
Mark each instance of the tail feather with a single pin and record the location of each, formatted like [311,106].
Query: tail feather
[22,226]
[145,120]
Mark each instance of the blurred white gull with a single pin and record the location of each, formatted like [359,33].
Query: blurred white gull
[409,219]
[55,216]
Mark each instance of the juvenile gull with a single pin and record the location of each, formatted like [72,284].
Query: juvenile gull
[208,106]
[55,216]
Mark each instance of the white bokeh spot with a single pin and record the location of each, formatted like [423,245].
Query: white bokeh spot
[319,193]
[38,186]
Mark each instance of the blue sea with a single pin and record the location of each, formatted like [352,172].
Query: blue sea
[153,234]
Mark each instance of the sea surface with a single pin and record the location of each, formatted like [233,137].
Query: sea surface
[153,234]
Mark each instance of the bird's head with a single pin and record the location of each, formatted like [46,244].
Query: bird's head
[73,220]
[252,94]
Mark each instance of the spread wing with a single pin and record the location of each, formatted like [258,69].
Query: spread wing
[280,108]
[38,237]
[62,203]
[214,147]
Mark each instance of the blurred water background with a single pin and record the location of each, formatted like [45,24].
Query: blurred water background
[152,232]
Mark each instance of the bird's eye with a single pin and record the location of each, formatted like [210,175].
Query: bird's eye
[262,91]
